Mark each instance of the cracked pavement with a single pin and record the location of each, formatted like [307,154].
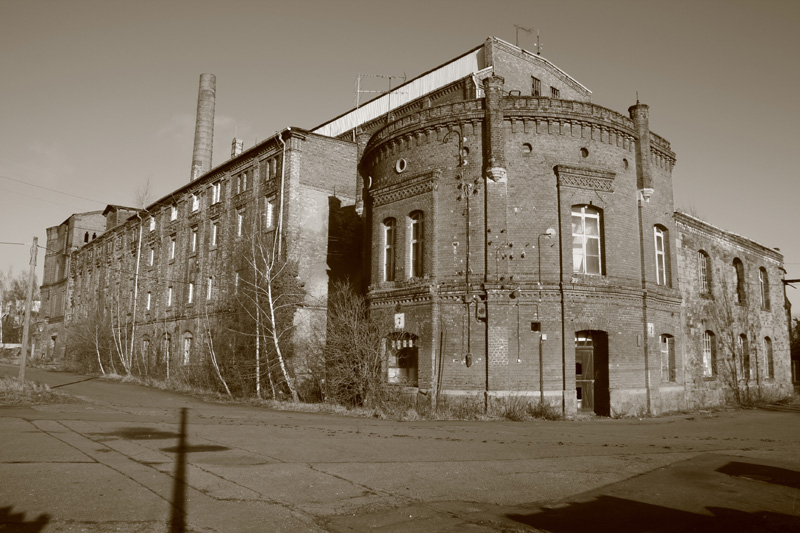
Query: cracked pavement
[109,464]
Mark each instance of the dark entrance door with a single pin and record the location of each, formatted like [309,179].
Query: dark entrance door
[591,372]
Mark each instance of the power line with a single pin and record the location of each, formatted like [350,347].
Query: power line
[53,190]
[36,197]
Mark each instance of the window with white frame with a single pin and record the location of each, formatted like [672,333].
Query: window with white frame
[152,223]
[586,240]
[169,296]
[147,303]
[173,212]
[152,257]
[214,233]
[241,182]
[239,222]
[416,243]
[193,242]
[187,348]
[709,355]
[190,293]
[195,202]
[172,247]
[269,211]
[389,237]
[763,283]
[660,235]
[209,284]
[667,343]
[704,271]
[216,192]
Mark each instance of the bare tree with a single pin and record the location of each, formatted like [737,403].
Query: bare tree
[737,355]
[352,356]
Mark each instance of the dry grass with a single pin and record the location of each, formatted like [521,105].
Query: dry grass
[14,393]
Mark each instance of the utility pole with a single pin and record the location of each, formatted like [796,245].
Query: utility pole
[27,326]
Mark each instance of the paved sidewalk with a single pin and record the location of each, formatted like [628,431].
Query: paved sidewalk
[113,463]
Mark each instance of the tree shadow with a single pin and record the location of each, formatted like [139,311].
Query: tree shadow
[140,433]
[11,521]
[768,474]
[608,513]
[177,523]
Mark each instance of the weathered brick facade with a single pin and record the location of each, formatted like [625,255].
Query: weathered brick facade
[519,238]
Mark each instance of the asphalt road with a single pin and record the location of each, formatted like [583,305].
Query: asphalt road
[120,461]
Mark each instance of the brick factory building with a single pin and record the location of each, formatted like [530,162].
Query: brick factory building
[517,238]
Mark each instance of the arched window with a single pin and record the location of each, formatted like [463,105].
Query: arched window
[661,235]
[146,350]
[389,244]
[416,243]
[709,355]
[166,343]
[744,356]
[668,373]
[187,348]
[587,243]
[704,271]
[763,282]
[741,294]
[770,359]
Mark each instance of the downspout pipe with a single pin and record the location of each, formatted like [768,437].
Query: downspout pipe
[563,303]
[283,178]
[136,285]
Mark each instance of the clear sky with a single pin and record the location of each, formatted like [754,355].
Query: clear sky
[97,97]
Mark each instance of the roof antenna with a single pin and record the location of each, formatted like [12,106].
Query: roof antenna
[538,44]
[526,30]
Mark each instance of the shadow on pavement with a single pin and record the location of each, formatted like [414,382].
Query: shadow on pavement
[140,433]
[73,382]
[10,521]
[177,523]
[769,474]
[608,513]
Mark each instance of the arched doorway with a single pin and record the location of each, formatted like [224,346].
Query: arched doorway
[402,359]
[591,372]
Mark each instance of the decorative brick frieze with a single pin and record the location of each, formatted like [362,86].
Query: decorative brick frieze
[409,187]
[585,178]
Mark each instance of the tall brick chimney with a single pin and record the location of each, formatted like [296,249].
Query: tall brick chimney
[204,126]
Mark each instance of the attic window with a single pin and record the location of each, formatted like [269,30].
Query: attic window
[536,86]
[173,212]
[554,93]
